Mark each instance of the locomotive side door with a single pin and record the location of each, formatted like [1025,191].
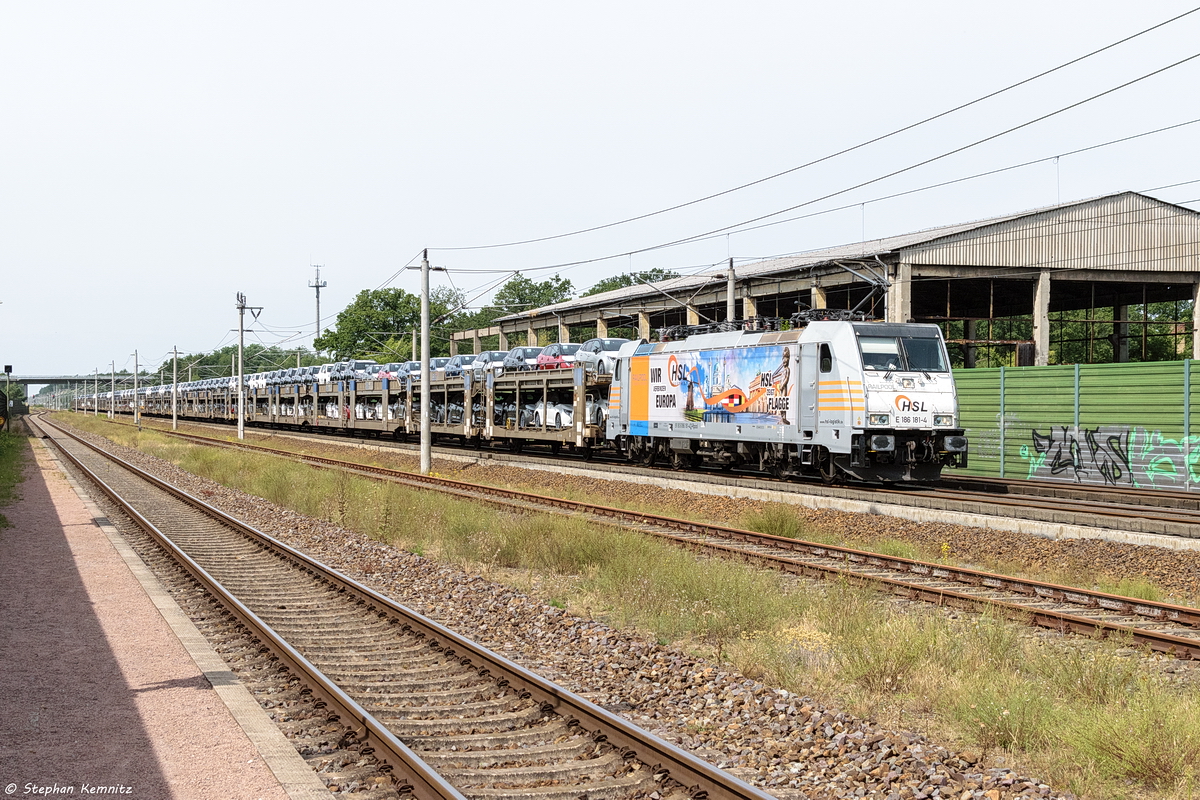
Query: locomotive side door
[808,390]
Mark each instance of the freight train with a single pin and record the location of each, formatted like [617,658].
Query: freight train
[828,394]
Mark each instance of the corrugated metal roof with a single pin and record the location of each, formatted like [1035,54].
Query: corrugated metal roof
[926,239]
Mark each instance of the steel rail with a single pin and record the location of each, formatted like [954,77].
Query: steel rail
[1175,511]
[1007,487]
[701,780]
[1033,590]
[409,771]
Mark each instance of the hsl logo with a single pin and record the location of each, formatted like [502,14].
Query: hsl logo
[904,404]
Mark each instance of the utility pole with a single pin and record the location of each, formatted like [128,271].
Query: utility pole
[241,406]
[426,430]
[137,418]
[318,284]
[175,390]
[112,400]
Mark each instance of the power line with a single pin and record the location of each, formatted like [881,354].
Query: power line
[1172,186]
[928,161]
[963,179]
[941,184]
[825,158]
[731,228]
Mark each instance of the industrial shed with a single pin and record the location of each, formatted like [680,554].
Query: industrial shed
[1086,281]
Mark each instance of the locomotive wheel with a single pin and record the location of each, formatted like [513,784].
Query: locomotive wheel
[556,447]
[678,460]
[825,467]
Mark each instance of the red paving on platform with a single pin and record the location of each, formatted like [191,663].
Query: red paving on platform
[95,688]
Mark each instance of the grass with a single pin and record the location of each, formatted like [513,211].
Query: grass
[1133,587]
[1091,717]
[13,454]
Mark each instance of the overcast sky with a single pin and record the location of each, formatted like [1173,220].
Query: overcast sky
[157,158]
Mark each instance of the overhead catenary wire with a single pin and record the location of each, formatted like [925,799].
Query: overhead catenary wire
[830,156]
[927,161]
[963,179]
[735,227]
[952,181]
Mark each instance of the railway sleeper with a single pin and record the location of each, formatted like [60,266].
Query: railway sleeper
[609,764]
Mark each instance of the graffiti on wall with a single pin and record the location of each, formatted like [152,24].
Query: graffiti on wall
[1113,455]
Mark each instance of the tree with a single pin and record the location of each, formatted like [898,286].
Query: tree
[630,279]
[378,320]
[522,294]
[517,295]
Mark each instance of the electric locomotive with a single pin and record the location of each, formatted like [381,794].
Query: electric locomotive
[837,396]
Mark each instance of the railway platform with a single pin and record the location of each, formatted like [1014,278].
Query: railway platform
[105,686]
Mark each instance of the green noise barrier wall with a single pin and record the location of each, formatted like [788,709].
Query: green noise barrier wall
[1125,425]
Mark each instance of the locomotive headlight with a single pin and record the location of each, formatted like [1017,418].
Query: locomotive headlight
[878,419]
[943,419]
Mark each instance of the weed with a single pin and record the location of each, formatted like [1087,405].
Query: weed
[775,519]
[13,454]
[1094,675]
[895,547]
[1152,738]
[1133,587]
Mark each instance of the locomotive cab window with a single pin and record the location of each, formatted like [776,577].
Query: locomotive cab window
[903,353]
[826,359]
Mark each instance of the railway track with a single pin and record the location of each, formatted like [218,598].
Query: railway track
[1162,627]
[1158,513]
[446,717]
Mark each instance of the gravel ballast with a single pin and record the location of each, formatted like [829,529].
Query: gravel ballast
[793,746]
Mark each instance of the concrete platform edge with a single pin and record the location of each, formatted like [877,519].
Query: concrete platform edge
[295,776]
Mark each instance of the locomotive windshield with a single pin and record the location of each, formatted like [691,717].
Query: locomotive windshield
[903,353]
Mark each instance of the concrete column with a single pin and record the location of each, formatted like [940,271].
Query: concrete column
[899,295]
[601,327]
[476,342]
[504,341]
[531,337]
[1041,320]
[1121,334]
[749,305]
[644,325]
[453,346]
[693,316]
[564,333]
[1196,320]
[730,294]
[818,297]
[972,332]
